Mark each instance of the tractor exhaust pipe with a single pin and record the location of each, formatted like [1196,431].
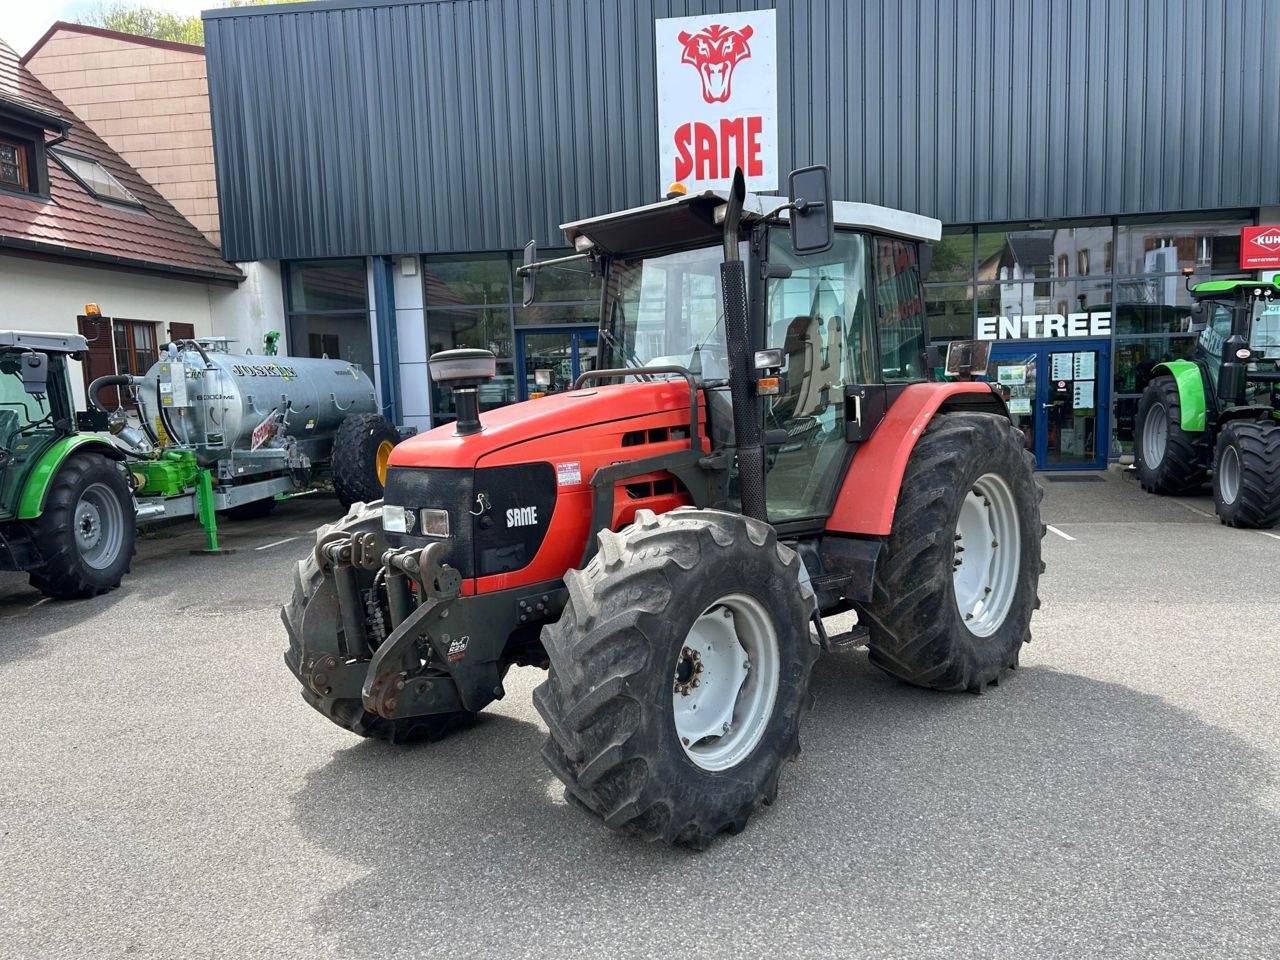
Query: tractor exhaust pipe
[464,372]
[747,432]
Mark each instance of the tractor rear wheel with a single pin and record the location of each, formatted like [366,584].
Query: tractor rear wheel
[679,675]
[956,582]
[359,461]
[349,713]
[1170,460]
[85,536]
[1246,474]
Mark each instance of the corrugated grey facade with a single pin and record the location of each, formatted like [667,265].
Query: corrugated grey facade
[456,125]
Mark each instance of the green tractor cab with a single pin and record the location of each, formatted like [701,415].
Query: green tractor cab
[1216,416]
[67,513]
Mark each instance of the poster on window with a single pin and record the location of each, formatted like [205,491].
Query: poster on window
[718,100]
[1082,395]
[1084,365]
[1013,375]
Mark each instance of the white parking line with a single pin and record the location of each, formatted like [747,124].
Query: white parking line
[278,543]
[1052,529]
[1187,506]
[1273,536]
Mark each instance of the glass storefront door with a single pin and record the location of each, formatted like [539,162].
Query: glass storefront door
[1058,393]
[550,359]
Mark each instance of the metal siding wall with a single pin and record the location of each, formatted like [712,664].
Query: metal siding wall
[454,125]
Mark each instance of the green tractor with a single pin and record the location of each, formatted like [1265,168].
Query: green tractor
[67,512]
[1218,414]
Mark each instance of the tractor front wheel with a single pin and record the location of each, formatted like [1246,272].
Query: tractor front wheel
[679,675]
[957,580]
[1170,460]
[1246,474]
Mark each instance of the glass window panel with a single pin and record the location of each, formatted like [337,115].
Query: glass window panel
[567,313]
[570,281]
[950,310]
[498,392]
[337,336]
[1152,318]
[468,279]
[1136,357]
[902,310]
[100,182]
[480,329]
[953,257]
[1211,246]
[1043,303]
[1079,250]
[317,285]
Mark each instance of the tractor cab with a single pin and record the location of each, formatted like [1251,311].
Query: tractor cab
[835,323]
[1239,323]
[36,407]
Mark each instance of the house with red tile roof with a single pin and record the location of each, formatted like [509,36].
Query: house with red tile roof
[79,224]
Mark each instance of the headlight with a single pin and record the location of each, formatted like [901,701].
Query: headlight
[397,520]
[435,523]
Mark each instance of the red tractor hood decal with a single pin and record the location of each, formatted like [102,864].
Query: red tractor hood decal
[557,415]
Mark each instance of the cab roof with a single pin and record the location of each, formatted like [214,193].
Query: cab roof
[44,342]
[692,220]
[1211,289]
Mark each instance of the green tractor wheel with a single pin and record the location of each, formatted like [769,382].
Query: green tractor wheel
[1246,474]
[1170,460]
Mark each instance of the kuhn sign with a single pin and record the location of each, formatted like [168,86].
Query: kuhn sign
[1259,248]
[718,99]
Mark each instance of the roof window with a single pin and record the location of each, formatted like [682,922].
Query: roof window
[95,178]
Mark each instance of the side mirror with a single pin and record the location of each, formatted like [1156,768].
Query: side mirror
[527,287]
[35,373]
[813,225]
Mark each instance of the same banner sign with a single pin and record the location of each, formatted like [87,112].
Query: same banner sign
[718,99]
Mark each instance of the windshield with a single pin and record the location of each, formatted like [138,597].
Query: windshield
[18,409]
[1264,336]
[666,311]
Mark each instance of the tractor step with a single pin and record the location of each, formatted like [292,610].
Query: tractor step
[859,636]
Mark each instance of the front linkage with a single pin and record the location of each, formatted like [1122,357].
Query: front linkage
[385,644]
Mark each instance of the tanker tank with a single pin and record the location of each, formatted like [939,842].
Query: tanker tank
[222,404]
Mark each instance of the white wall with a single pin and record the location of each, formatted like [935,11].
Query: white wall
[43,296]
[247,312]
[411,343]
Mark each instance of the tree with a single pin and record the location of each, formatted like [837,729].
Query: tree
[144,21]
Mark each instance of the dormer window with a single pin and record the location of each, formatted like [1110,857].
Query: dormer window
[95,178]
[13,165]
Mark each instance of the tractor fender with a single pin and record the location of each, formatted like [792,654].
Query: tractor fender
[36,489]
[869,493]
[1191,393]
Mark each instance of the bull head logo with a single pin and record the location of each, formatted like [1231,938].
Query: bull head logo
[714,51]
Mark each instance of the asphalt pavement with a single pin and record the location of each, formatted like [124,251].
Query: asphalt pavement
[165,792]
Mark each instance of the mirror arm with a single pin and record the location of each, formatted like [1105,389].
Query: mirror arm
[530,267]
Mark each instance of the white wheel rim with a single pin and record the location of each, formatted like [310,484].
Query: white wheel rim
[726,682]
[1229,475]
[988,552]
[1155,434]
[99,526]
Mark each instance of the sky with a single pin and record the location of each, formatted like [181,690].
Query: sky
[23,22]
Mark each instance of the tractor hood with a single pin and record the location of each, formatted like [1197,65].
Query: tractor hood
[550,428]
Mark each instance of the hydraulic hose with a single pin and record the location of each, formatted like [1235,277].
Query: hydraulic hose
[112,380]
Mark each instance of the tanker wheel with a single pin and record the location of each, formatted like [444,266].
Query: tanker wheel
[85,537]
[956,582]
[1246,474]
[349,713]
[679,674]
[1170,460]
[361,448]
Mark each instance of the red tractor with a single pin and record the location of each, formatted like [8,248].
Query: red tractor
[764,444]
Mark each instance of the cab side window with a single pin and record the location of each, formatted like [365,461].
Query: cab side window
[900,301]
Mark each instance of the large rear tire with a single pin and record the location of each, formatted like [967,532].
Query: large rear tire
[693,609]
[1246,474]
[1170,460]
[86,535]
[349,713]
[359,461]
[957,580]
